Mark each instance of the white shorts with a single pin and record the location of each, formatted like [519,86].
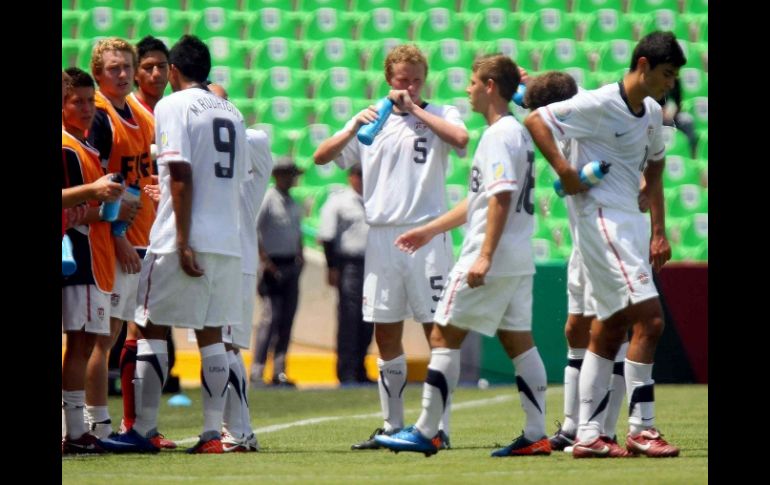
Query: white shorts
[168,296]
[580,300]
[398,285]
[501,303]
[124,294]
[615,246]
[240,335]
[85,306]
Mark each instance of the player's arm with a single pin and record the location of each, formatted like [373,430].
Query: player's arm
[418,237]
[181,188]
[497,213]
[543,138]
[102,189]
[332,147]
[455,135]
[660,249]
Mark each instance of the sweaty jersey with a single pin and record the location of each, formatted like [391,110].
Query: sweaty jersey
[503,162]
[606,129]
[252,193]
[130,155]
[404,169]
[196,127]
[91,243]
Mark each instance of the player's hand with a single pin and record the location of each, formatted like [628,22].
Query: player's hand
[126,256]
[660,251]
[153,191]
[414,239]
[76,215]
[128,210]
[106,190]
[365,116]
[570,182]
[477,272]
[333,277]
[188,263]
[524,75]
[402,99]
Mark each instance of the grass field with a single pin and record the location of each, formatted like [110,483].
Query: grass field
[305,437]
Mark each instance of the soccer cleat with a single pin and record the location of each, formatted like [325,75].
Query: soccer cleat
[129,442]
[102,429]
[161,441]
[87,443]
[371,444]
[410,439]
[444,440]
[211,446]
[561,439]
[650,443]
[521,446]
[596,448]
[282,380]
[231,444]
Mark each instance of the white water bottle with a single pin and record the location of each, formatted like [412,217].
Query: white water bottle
[591,174]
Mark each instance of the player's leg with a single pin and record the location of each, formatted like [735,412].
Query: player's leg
[97,413]
[285,321]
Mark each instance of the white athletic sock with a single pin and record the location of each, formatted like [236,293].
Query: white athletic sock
[245,415]
[443,373]
[531,382]
[571,395]
[214,374]
[391,384]
[617,392]
[594,385]
[73,403]
[97,414]
[641,396]
[149,377]
[231,419]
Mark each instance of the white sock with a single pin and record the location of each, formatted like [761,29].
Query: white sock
[245,415]
[617,392]
[231,419]
[443,374]
[391,384]
[641,396]
[594,385]
[444,424]
[97,414]
[73,402]
[531,382]
[149,377]
[214,374]
[571,394]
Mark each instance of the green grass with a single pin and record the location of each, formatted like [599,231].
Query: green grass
[320,452]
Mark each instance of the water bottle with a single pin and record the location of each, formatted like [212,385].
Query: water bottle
[109,211]
[68,265]
[591,174]
[131,194]
[518,96]
[367,132]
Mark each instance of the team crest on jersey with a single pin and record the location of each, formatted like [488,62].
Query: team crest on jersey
[650,131]
[498,169]
[164,139]
[643,278]
[420,126]
[562,113]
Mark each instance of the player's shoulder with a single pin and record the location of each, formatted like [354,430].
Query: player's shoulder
[439,109]
[256,136]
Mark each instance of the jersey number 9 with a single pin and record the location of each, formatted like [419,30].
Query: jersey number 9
[224,146]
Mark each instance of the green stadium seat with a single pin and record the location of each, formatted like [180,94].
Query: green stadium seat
[549,24]
[479,5]
[383,23]
[545,250]
[564,53]
[161,21]
[698,107]
[105,22]
[676,142]
[687,199]
[545,175]
[581,75]
[696,6]
[377,51]
[701,25]
[698,55]
[70,49]
[280,142]
[85,52]
[329,173]
[664,19]
[646,6]
[697,232]
[67,5]
[284,81]
[607,24]
[278,51]
[473,121]
[532,6]
[328,22]
[342,81]
[451,83]
[519,51]
[274,22]
[90,4]
[144,5]
[550,205]
[70,23]
[701,252]
[458,170]
[590,6]
[425,5]
[230,5]
[339,110]
[219,22]
[291,115]
[369,5]
[558,231]
[703,170]
[312,137]
[680,170]
[229,52]
[703,145]
[440,23]
[474,136]
[694,82]
[495,23]
[248,109]
[447,53]
[335,52]
[237,82]
[456,193]
[616,55]
[309,5]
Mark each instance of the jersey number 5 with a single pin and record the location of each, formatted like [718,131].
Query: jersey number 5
[422,150]
[224,146]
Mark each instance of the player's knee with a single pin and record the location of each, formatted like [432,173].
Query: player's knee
[651,329]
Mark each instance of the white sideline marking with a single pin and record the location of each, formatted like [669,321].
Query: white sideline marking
[304,422]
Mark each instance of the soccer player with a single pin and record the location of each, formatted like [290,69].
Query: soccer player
[621,124]
[490,287]
[191,275]
[404,172]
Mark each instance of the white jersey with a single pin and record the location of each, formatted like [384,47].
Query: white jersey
[503,162]
[404,170]
[252,193]
[606,129]
[195,126]
[343,221]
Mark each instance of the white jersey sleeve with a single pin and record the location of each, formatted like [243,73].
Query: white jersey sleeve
[351,153]
[252,193]
[327,229]
[576,117]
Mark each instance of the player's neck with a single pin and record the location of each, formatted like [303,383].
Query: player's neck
[119,102]
[496,111]
[74,131]
[147,99]
[635,92]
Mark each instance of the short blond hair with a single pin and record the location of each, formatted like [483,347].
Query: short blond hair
[110,44]
[408,53]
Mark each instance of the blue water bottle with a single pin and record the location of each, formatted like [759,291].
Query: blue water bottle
[131,194]
[367,132]
[68,264]
[591,174]
[109,211]
[518,96]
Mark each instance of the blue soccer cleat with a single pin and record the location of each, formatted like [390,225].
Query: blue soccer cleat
[129,442]
[409,439]
[521,446]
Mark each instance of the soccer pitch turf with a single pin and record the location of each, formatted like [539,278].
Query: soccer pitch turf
[305,437]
